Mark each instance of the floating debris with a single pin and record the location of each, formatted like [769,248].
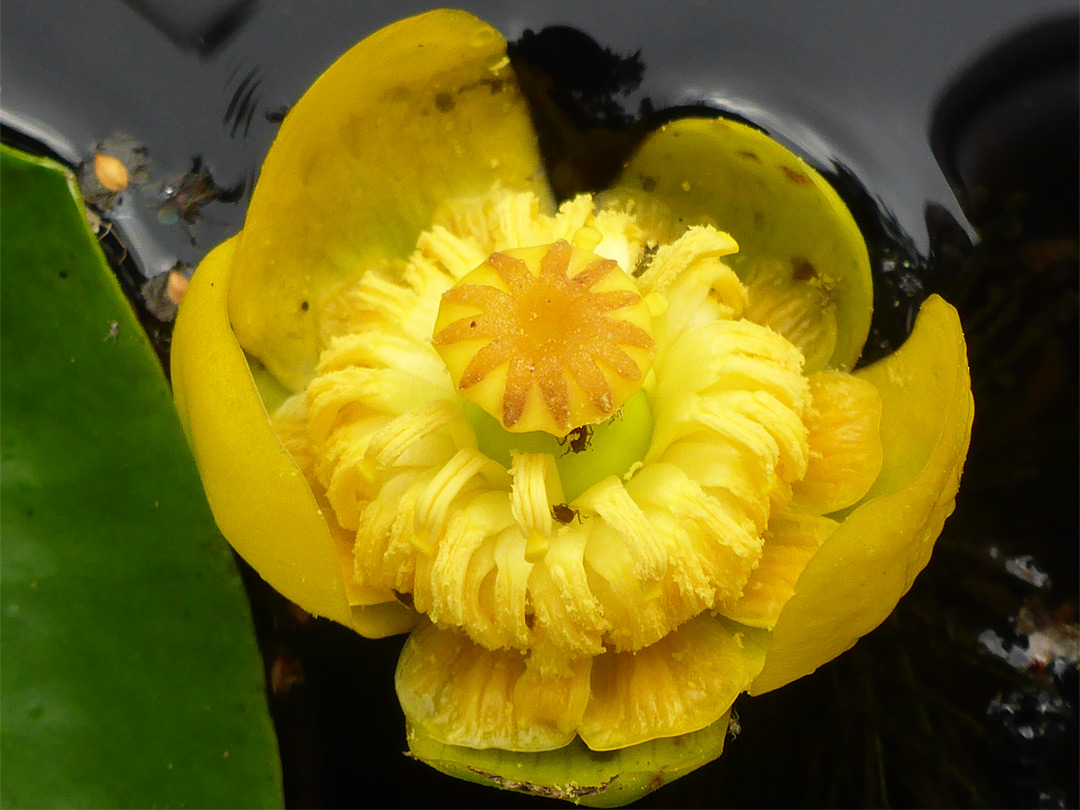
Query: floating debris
[734,728]
[163,292]
[98,224]
[1024,567]
[277,115]
[1045,643]
[1031,714]
[285,673]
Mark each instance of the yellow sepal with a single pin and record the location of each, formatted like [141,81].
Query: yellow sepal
[422,111]
[697,171]
[574,773]
[258,495]
[857,577]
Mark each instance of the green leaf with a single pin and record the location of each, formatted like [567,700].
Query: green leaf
[130,674]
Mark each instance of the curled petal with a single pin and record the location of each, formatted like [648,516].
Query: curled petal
[790,541]
[510,591]
[683,683]
[723,538]
[789,298]
[536,487]
[674,260]
[463,565]
[569,620]
[621,514]
[462,694]
[845,443]
[458,475]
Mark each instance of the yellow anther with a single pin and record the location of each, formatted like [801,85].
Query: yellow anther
[546,338]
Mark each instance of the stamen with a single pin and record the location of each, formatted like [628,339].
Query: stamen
[535,488]
[434,503]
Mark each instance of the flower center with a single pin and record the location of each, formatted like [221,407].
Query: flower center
[538,449]
[549,338]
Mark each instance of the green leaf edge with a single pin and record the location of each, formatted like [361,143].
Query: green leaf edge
[262,792]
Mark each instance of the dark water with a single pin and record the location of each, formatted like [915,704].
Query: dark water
[951,130]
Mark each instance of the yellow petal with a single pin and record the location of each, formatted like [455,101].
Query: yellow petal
[790,541]
[844,425]
[678,685]
[738,381]
[462,694]
[925,390]
[385,553]
[673,261]
[790,299]
[774,204]
[422,111]
[704,291]
[258,494]
[621,515]
[859,574]
[464,560]
[466,471]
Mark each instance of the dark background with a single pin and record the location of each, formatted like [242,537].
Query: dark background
[949,127]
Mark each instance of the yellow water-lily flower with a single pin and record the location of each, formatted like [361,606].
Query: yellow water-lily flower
[606,460]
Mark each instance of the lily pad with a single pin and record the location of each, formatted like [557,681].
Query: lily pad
[130,673]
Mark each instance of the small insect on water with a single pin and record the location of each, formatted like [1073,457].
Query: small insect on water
[185,196]
[577,440]
[564,513]
[118,163]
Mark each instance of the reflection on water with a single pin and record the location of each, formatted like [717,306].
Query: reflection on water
[1005,133]
[244,103]
[953,138]
[200,26]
